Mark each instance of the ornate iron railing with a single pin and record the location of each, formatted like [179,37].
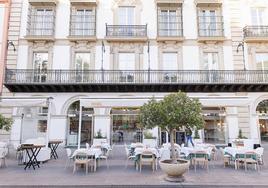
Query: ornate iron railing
[256,31]
[20,76]
[126,30]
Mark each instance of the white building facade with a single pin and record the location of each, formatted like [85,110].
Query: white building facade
[106,58]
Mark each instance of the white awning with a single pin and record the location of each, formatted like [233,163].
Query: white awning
[23,101]
[207,101]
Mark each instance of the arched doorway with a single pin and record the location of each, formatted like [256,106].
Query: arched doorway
[86,134]
[262,111]
[125,125]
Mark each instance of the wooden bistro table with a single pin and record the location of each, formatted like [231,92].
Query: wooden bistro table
[32,152]
[53,145]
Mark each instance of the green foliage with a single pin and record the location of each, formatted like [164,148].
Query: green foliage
[196,135]
[99,134]
[148,135]
[5,123]
[174,112]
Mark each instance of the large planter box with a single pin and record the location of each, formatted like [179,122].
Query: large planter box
[152,143]
[99,141]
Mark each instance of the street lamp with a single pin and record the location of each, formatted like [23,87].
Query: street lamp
[10,43]
[242,45]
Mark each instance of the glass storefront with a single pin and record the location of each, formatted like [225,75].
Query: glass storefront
[262,111]
[125,125]
[73,125]
[215,126]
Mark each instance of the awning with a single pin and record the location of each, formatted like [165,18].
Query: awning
[207,101]
[23,101]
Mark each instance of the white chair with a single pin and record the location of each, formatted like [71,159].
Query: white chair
[129,156]
[82,159]
[105,156]
[147,157]
[19,153]
[259,152]
[226,158]
[87,146]
[165,154]
[251,158]
[69,157]
[3,154]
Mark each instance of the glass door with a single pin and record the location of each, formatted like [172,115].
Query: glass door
[211,64]
[82,65]
[126,67]
[40,65]
[170,65]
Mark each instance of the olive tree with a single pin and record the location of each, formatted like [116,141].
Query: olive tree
[172,113]
[5,123]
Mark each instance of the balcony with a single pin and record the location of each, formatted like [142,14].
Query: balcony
[41,27]
[126,33]
[19,80]
[256,33]
[82,27]
[210,28]
[207,3]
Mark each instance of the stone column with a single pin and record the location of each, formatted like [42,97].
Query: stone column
[254,126]
[232,123]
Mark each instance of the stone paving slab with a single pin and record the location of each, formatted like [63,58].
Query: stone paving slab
[53,174]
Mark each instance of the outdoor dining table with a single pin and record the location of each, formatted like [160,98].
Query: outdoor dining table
[95,152]
[189,152]
[53,145]
[233,151]
[32,152]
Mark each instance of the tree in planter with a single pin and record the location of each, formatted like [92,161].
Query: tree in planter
[172,113]
[5,123]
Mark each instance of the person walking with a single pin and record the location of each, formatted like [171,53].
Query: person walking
[189,137]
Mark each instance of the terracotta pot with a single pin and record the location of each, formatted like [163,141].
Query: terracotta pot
[174,171]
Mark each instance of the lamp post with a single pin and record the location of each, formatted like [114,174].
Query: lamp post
[242,45]
[149,61]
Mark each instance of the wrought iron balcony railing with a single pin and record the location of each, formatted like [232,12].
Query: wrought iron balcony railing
[256,31]
[126,30]
[58,77]
[83,25]
[210,26]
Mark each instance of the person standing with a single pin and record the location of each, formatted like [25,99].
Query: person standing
[189,137]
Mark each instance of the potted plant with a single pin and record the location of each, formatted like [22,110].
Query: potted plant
[240,141]
[149,139]
[174,112]
[5,123]
[99,138]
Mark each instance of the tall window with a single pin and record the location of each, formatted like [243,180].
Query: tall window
[82,64]
[211,62]
[170,22]
[262,61]
[210,24]
[127,64]
[257,16]
[82,22]
[126,16]
[40,66]
[170,66]
[41,22]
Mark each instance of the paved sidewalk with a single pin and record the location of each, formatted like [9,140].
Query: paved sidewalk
[53,173]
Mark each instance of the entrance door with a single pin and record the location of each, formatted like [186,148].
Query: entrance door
[125,126]
[40,64]
[86,133]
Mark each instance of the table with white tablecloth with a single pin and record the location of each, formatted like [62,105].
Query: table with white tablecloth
[188,151]
[233,151]
[139,151]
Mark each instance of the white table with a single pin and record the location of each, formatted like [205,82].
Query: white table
[90,152]
[234,151]
[139,151]
[134,145]
[187,150]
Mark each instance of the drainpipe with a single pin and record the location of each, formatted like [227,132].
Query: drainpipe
[4,47]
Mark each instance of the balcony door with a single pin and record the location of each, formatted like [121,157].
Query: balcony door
[208,23]
[170,66]
[84,22]
[82,66]
[211,63]
[169,23]
[262,64]
[257,16]
[40,64]
[126,21]
[42,22]
[126,67]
